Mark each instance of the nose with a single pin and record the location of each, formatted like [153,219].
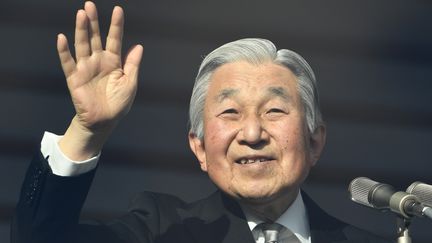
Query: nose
[252,131]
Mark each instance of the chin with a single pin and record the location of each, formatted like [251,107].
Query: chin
[261,196]
[255,197]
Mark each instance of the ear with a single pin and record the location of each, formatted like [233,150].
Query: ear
[198,148]
[316,143]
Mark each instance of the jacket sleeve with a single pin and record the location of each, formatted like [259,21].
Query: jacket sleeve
[49,208]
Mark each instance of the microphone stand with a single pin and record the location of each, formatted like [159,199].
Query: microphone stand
[403,222]
[403,232]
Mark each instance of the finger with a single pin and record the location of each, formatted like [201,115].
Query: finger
[115,34]
[132,62]
[66,59]
[95,40]
[82,46]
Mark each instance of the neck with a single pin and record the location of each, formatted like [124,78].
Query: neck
[271,210]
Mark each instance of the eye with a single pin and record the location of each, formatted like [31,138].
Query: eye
[230,111]
[231,114]
[275,113]
[276,110]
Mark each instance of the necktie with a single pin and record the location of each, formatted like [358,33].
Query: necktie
[271,232]
[276,233]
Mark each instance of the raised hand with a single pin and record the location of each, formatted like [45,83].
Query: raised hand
[101,87]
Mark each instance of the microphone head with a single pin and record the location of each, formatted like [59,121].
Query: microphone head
[422,191]
[371,193]
[359,189]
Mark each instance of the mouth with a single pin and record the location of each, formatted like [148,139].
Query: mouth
[253,159]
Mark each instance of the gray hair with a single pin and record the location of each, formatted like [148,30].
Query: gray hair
[255,51]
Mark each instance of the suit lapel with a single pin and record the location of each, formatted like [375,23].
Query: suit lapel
[323,227]
[218,219]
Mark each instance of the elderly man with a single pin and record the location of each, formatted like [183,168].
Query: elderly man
[256,129]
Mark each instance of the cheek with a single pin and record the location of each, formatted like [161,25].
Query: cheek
[213,133]
[218,133]
[217,139]
[293,141]
[219,136]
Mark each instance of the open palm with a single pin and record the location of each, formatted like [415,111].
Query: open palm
[102,89]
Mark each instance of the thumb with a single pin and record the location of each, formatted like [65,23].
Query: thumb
[132,62]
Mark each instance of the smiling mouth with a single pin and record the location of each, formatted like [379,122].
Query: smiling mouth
[244,161]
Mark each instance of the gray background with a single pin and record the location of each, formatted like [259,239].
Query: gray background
[372,59]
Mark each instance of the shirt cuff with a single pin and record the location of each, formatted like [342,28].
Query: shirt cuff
[59,163]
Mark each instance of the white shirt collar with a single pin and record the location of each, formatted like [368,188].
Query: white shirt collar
[294,218]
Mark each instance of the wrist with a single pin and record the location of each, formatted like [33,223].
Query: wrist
[81,143]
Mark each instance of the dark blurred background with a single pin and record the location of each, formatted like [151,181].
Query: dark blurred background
[373,61]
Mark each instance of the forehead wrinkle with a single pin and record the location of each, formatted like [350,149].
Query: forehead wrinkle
[224,94]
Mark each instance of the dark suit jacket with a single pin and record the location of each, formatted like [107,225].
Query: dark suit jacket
[50,205]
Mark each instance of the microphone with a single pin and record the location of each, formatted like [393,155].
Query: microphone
[423,192]
[384,197]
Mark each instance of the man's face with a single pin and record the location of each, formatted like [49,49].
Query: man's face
[256,145]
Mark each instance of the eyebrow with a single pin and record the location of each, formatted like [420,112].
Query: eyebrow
[225,93]
[279,92]
[271,92]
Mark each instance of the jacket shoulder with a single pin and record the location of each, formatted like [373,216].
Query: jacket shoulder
[355,234]
[157,217]
[326,228]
